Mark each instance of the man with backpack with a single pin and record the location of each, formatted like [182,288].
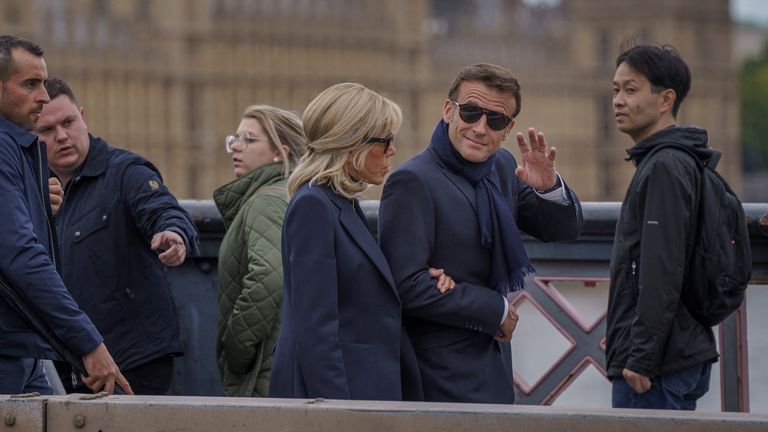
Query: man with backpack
[658,355]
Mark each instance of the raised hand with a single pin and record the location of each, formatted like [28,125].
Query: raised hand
[538,167]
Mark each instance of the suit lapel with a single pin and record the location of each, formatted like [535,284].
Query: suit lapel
[460,182]
[462,185]
[360,233]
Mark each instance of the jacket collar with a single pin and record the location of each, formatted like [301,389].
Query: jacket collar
[230,197]
[353,221]
[97,160]
[692,136]
[23,137]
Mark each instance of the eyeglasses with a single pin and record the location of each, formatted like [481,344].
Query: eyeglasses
[387,141]
[472,113]
[244,137]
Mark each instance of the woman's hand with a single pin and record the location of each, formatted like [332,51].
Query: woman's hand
[444,282]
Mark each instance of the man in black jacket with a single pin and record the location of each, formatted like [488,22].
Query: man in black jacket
[658,356]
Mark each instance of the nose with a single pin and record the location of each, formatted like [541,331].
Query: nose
[391,150]
[237,146]
[480,127]
[42,95]
[618,99]
[60,134]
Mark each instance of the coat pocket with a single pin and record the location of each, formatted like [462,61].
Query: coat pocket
[90,224]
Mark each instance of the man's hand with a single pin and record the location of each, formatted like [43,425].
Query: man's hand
[639,383]
[56,192]
[505,330]
[538,167]
[172,246]
[103,373]
[444,282]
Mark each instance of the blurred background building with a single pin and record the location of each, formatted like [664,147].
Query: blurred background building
[169,79]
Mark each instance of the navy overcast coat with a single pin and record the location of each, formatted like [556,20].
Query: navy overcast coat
[428,218]
[341,327]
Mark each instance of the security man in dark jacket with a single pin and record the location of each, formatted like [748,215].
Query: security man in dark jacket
[115,218]
[28,257]
[658,356]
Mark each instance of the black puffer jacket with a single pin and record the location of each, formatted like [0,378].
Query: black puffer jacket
[649,331]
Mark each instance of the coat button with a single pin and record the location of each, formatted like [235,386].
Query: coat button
[77,234]
[104,217]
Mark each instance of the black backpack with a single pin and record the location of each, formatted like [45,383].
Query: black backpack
[720,264]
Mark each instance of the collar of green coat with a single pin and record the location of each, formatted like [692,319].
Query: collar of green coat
[230,197]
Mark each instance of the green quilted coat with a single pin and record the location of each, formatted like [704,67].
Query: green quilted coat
[250,279]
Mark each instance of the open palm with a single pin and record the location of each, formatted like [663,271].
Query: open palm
[538,167]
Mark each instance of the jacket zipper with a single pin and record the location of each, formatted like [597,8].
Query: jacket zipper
[634,268]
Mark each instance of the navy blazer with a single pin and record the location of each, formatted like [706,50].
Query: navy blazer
[428,218]
[340,335]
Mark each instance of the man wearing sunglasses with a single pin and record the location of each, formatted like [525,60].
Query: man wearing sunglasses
[460,205]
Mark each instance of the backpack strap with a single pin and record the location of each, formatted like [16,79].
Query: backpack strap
[714,159]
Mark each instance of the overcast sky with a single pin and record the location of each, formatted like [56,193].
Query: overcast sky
[750,10]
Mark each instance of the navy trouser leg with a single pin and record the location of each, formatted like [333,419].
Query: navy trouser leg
[673,391]
[23,375]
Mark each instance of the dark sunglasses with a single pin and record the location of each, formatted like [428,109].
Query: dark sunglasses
[472,113]
[387,141]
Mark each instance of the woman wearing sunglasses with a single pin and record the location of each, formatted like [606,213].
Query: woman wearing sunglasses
[341,334]
[266,147]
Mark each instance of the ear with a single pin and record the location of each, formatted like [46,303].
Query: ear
[286,149]
[82,114]
[447,111]
[667,101]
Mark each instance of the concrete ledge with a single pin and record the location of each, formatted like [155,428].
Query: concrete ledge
[148,413]
[22,414]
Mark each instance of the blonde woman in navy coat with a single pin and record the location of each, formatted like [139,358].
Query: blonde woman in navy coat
[341,334]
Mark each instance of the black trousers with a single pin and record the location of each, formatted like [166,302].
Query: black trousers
[151,378]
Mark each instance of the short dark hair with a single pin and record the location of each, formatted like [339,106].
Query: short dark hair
[495,77]
[662,66]
[7,44]
[56,87]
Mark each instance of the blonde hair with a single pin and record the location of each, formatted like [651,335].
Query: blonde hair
[283,128]
[337,123]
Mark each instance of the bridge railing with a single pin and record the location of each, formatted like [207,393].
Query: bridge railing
[563,270]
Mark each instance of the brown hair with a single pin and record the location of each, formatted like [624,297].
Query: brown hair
[494,76]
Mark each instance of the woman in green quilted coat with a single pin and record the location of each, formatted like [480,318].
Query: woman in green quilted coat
[267,145]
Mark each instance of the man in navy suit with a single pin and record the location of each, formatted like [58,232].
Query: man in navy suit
[460,205]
